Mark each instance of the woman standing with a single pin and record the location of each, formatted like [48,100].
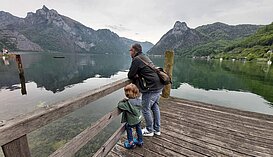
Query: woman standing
[150,86]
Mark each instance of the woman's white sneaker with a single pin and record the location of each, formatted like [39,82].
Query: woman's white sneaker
[145,132]
[157,133]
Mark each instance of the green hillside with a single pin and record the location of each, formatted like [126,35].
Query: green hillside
[254,47]
[205,40]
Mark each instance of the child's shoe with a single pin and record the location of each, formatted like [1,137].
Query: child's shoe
[130,145]
[140,144]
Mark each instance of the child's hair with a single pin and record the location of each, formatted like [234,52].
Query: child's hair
[131,91]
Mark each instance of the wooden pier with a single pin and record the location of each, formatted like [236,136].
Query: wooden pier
[197,129]
[188,128]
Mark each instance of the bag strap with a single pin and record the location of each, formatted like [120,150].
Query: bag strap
[152,67]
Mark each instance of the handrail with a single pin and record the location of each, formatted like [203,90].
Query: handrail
[24,124]
[70,148]
[110,143]
[13,134]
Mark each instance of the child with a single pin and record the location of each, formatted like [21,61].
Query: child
[130,107]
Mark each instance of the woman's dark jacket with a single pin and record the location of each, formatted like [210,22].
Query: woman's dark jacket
[148,79]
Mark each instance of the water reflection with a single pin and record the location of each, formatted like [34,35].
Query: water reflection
[246,77]
[20,68]
[55,74]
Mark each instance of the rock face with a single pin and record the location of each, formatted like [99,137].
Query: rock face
[180,36]
[183,39]
[22,43]
[47,30]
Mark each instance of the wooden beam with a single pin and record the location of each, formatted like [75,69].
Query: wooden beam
[27,123]
[70,148]
[18,147]
[110,143]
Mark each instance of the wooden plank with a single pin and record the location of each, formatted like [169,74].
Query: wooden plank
[70,148]
[27,123]
[259,125]
[112,154]
[214,137]
[192,108]
[110,143]
[237,136]
[231,111]
[171,149]
[178,143]
[18,147]
[121,151]
[198,145]
[140,151]
[242,130]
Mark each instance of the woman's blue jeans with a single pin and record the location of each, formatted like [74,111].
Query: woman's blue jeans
[150,110]
[130,132]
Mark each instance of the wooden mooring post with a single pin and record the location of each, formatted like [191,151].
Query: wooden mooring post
[21,74]
[168,68]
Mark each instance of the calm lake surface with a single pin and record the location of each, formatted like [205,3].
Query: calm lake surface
[246,86]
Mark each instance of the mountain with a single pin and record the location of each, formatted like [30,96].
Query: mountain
[221,31]
[253,47]
[179,37]
[146,46]
[203,40]
[47,30]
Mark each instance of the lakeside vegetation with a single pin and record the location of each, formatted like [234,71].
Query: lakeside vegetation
[255,47]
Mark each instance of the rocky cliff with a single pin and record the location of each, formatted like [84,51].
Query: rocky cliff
[203,40]
[47,30]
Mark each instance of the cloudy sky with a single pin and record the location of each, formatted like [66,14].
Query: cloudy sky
[149,20]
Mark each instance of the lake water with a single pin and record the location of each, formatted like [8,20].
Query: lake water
[243,85]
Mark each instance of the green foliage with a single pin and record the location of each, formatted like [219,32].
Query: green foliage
[254,47]
[206,49]
[222,38]
[263,37]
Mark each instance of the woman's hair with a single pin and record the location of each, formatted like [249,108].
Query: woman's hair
[131,91]
[137,47]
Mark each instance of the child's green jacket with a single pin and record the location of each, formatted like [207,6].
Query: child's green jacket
[131,114]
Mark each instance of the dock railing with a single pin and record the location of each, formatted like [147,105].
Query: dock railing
[13,134]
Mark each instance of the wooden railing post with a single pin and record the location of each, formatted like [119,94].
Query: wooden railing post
[18,147]
[168,68]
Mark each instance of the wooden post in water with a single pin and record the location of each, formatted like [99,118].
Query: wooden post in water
[168,68]
[17,147]
[21,74]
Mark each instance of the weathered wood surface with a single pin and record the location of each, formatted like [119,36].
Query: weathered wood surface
[168,68]
[27,123]
[191,128]
[18,147]
[70,148]
[103,151]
